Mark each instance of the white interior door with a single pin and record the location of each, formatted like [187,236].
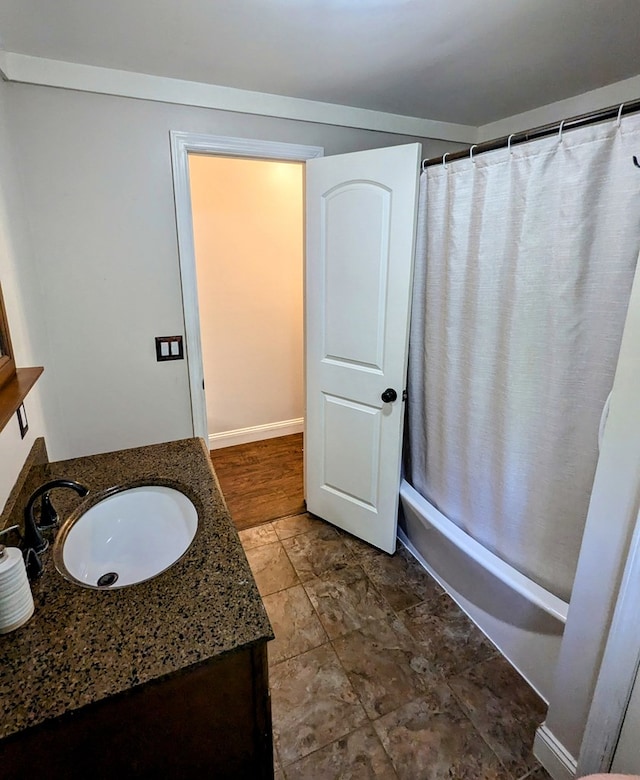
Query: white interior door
[361,218]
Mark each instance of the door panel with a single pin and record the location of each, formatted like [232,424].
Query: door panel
[361,212]
[354,324]
[351,450]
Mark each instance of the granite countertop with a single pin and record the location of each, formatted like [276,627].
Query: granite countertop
[83,645]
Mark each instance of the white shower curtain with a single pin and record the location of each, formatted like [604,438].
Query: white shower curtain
[524,267]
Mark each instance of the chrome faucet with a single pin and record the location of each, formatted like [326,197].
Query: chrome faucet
[33,539]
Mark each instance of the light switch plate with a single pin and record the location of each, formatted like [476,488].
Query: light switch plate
[169,348]
[22,421]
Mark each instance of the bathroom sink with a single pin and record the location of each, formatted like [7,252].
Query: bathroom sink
[128,537]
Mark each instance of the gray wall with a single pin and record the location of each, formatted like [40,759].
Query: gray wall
[97,179]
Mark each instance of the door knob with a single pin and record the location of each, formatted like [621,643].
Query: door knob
[389,395]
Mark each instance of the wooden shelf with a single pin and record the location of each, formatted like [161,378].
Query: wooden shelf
[13,393]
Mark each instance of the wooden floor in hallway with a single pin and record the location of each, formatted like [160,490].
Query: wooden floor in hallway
[261,481]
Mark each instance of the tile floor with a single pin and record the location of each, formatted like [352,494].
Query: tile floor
[375,672]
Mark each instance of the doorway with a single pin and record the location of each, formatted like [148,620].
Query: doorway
[248,229]
[357,295]
[243,303]
[182,145]
[248,220]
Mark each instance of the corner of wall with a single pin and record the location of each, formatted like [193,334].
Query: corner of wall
[612,94]
[21,301]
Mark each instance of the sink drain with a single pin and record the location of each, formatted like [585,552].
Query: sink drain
[107,579]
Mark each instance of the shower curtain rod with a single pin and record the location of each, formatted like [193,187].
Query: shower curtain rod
[538,132]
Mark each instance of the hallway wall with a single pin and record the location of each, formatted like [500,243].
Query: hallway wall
[248,234]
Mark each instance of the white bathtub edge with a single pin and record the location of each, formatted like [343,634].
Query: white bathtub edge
[527,636]
[553,755]
[518,582]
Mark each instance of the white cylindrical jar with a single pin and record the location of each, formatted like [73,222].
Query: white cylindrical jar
[16,600]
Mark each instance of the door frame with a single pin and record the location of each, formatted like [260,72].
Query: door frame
[601,643]
[618,671]
[182,143]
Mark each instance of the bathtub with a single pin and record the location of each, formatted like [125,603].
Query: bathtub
[523,620]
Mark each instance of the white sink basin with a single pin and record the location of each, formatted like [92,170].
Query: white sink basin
[128,537]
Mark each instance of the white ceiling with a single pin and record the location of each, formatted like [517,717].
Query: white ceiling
[464,61]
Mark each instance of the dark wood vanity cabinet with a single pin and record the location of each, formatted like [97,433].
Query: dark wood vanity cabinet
[208,721]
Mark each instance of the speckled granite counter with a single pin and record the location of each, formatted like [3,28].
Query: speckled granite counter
[84,645]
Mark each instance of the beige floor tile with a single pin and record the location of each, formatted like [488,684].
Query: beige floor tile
[317,551]
[431,739]
[450,641]
[258,536]
[287,527]
[278,772]
[400,578]
[539,773]
[271,568]
[313,704]
[503,708]
[357,546]
[385,666]
[320,724]
[294,622]
[277,764]
[358,756]
[345,600]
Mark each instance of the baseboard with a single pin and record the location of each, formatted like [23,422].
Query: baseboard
[255,433]
[553,756]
